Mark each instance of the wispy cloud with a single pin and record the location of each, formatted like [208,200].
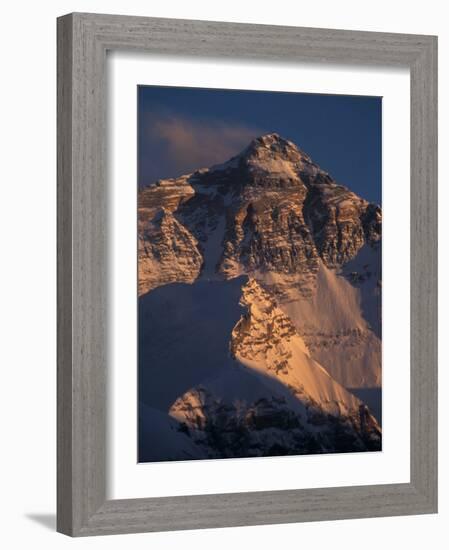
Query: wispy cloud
[177,144]
[204,142]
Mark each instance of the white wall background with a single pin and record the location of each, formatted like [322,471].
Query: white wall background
[27,274]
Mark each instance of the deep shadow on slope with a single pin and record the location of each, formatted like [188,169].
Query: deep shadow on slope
[372,397]
[181,327]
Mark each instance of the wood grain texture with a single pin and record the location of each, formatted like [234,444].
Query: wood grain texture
[83,40]
[424,252]
[64,277]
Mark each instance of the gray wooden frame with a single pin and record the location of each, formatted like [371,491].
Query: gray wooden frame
[83,40]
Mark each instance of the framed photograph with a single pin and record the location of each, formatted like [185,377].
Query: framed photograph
[247,280]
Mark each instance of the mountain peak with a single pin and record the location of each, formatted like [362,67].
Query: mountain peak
[268,139]
[273,146]
[271,141]
[269,152]
[274,137]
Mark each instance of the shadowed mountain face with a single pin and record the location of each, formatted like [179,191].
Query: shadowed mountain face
[268,252]
[184,333]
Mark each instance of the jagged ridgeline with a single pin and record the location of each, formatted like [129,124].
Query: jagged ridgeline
[259,309]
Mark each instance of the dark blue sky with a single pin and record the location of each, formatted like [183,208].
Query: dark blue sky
[182,129]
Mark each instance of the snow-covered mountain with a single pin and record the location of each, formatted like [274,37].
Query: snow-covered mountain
[301,254]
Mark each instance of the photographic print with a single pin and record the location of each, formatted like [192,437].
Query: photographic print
[259,273]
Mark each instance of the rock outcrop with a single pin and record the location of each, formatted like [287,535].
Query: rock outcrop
[167,252]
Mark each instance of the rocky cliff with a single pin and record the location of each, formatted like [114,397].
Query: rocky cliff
[273,214]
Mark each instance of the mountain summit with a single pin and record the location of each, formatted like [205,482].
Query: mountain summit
[310,247]
[273,146]
[260,292]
